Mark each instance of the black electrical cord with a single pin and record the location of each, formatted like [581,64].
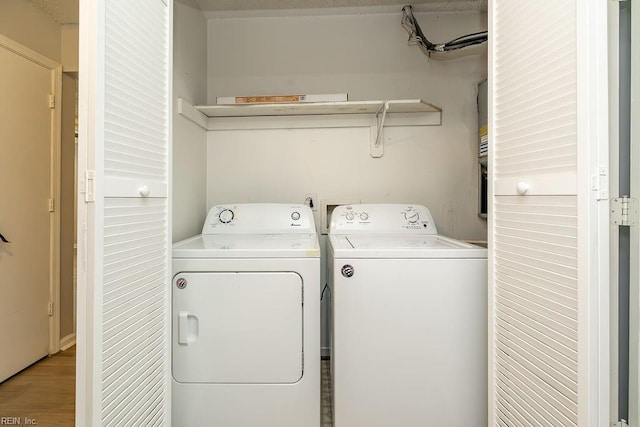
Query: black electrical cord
[416,35]
[469,39]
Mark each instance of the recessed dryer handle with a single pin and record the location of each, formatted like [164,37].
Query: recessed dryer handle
[187,328]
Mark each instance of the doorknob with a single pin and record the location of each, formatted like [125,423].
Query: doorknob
[4,239]
[522,188]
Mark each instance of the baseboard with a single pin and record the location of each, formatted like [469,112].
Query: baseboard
[68,342]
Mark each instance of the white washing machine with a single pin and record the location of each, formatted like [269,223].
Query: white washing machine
[409,321]
[246,319]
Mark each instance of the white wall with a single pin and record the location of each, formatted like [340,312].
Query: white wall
[366,56]
[30,27]
[189,140]
[69,54]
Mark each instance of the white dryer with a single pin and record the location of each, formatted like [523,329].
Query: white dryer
[246,319]
[409,321]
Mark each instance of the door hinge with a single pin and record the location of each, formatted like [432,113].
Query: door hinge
[600,183]
[51,205]
[89,186]
[624,211]
[621,423]
[50,308]
[52,101]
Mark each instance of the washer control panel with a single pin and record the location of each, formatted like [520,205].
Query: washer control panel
[382,219]
[259,218]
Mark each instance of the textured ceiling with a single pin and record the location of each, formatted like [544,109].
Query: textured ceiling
[212,6]
[63,11]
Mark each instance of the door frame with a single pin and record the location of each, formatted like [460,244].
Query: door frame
[634,262]
[54,181]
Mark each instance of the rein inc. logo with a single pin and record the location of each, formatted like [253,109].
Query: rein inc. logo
[18,421]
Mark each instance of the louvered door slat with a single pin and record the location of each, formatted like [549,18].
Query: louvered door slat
[556,385]
[534,410]
[567,250]
[528,259]
[535,324]
[548,305]
[522,326]
[534,270]
[117,401]
[550,356]
[560,297]
[121,96]
[556,96]
[557,410]
[132,369]
[513,412]
[563,290]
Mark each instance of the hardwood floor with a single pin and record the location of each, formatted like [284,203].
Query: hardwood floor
[43,394]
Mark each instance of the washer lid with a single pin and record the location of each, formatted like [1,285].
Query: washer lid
[403,246]
[249,246]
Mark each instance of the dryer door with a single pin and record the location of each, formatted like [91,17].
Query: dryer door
[237,327]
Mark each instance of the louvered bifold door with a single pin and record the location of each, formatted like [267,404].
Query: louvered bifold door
[131,247]
[547,327]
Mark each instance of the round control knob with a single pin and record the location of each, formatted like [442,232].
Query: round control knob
[349,216]
[225,216]
[364,216]
[412,216]
[295,216]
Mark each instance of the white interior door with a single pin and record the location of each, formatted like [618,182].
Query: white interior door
[123,239]
[26,128]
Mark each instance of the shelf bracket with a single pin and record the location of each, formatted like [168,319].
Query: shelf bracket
[377,146]
[188,111]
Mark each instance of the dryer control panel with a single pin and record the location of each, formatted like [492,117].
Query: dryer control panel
[259,218]
[382,219]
